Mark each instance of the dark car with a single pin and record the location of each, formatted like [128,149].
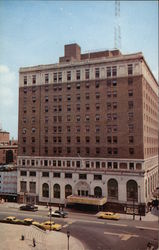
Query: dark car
[58,213]
[29,207]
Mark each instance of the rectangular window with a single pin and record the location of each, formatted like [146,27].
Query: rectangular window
[97,73]
[68,75]
[97,177]
[23,173]
[46,78]
[56,175]
[82,176]
[130,81]
[32,173]
[108,71]
[130,69]
[78,74]
[32,187]
[131,151]
[68,86]
[59,76]
[86,74]
[34,79]
[25,80]
[45,174]
[114,71]
[130,93]
[55,77]
[131,139]
[23,186]
[68,175]
[114,83]
[130,104]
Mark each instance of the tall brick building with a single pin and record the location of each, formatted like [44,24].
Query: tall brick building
[88,127]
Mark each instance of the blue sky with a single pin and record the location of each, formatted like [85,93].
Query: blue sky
[34,32]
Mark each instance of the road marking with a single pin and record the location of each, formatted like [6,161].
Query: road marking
[90,221]
[148,228]
[115,224]
[122,236]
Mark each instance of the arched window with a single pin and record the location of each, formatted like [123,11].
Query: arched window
[132,191]
[68,190]
[113,189]
[57,191]
[45,190]
[98,191]
[9,156]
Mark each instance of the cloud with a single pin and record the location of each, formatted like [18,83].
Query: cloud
[7,87]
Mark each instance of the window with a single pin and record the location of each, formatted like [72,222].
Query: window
[32,173]
[130,93]
[68,75]
[130,69]
[87,150]
[114,116]
[87,118]
[23,186]
[57,191]
[114,83]
[87,164]
[97,95]
[56,175]
[24,139]
[68,129]
[87,107]
[109,139]
[78,139]
[78,74]
[46,78]
[25,80]
[97,177]
[115,139]
[86,73]
[131,128]
[68,86]
[23,173]
[131,151]
[59,76]
[109,151]
[115,151]
[109,94]
[97,118]
[33,110]
[78,86]
[108,71]
[97,73]
[87,139]
[114,105]
[87,129]
[68,175]
[109,105]
[68,139]
[45,190]
[34,79]
[97,150]
[97,106]
[32,187]
[46,109]
[87,85]
[87,96]
[78,107]
[131,139]
[130,104]
[131,165]
[24,130]
[114,93]
[78,118]
[78,129]
[97,139]
[109,164]
[82,176]
[33,139]
[33,130]
[68,150]
[78,97]
[130,81]
[97,84]
[45,174]
[130,116]
[114,71]
[55,77]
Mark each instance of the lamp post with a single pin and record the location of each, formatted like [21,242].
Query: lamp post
[68,236]
[50,210]
[139,201]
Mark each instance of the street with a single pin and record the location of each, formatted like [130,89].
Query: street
[98,234]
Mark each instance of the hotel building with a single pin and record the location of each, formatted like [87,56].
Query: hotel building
[88,130]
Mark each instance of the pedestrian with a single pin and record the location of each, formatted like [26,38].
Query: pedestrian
[34,244]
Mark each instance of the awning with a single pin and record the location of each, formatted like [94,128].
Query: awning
[86,200]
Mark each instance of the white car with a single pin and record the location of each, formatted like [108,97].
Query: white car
[58,213]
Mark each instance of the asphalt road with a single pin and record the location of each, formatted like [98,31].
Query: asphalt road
[96,234]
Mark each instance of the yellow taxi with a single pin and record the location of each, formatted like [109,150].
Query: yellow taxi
[108,215]
[37,224]
[28,221]
[12,219]
[51,225]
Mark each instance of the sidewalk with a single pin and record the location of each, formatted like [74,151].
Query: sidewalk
[10,238]
[150,216]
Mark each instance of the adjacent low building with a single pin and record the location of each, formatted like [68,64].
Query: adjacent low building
[88,127]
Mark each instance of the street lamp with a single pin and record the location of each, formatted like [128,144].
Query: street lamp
[139,201]
[50,210]
[68,236]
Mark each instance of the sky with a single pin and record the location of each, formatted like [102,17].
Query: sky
[35,32]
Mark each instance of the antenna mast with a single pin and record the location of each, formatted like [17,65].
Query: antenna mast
[117,30]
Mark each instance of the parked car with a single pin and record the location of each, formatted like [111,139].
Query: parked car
[37,224]
[51,225]
[58,213]
[12,219]
[108,215]
[29,207]
[28,221]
